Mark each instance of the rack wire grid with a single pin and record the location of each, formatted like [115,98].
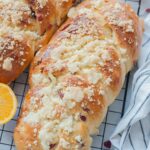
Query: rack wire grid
[114,113]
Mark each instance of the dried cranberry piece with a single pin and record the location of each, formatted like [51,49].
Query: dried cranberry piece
[83,118]
[148,10]
[52,146]
[107,144]
[82,145]
[40,17]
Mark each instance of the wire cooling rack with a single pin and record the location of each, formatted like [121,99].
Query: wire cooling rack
[114,114]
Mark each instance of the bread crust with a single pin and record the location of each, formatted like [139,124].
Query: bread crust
[31,23]
[78,75]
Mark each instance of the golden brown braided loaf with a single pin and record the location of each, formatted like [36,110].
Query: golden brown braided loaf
[26,26]
[77,76]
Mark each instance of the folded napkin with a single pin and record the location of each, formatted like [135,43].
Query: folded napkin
[133,131]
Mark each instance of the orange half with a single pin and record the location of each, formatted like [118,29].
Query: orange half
[8,103]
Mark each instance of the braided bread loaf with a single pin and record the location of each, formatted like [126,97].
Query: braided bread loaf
[77,76]
[26,26]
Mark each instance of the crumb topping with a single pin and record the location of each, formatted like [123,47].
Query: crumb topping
[7,64]
[42,3]
[114,18]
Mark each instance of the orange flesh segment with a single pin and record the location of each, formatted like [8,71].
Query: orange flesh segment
[8,103]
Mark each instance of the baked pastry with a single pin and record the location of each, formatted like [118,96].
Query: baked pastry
[26,26]
[78,75]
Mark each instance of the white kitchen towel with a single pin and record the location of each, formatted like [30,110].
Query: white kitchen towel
[133,131]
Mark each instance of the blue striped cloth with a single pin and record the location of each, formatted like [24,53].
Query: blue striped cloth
[133,131]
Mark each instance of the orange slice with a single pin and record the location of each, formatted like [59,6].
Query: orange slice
[8,103]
